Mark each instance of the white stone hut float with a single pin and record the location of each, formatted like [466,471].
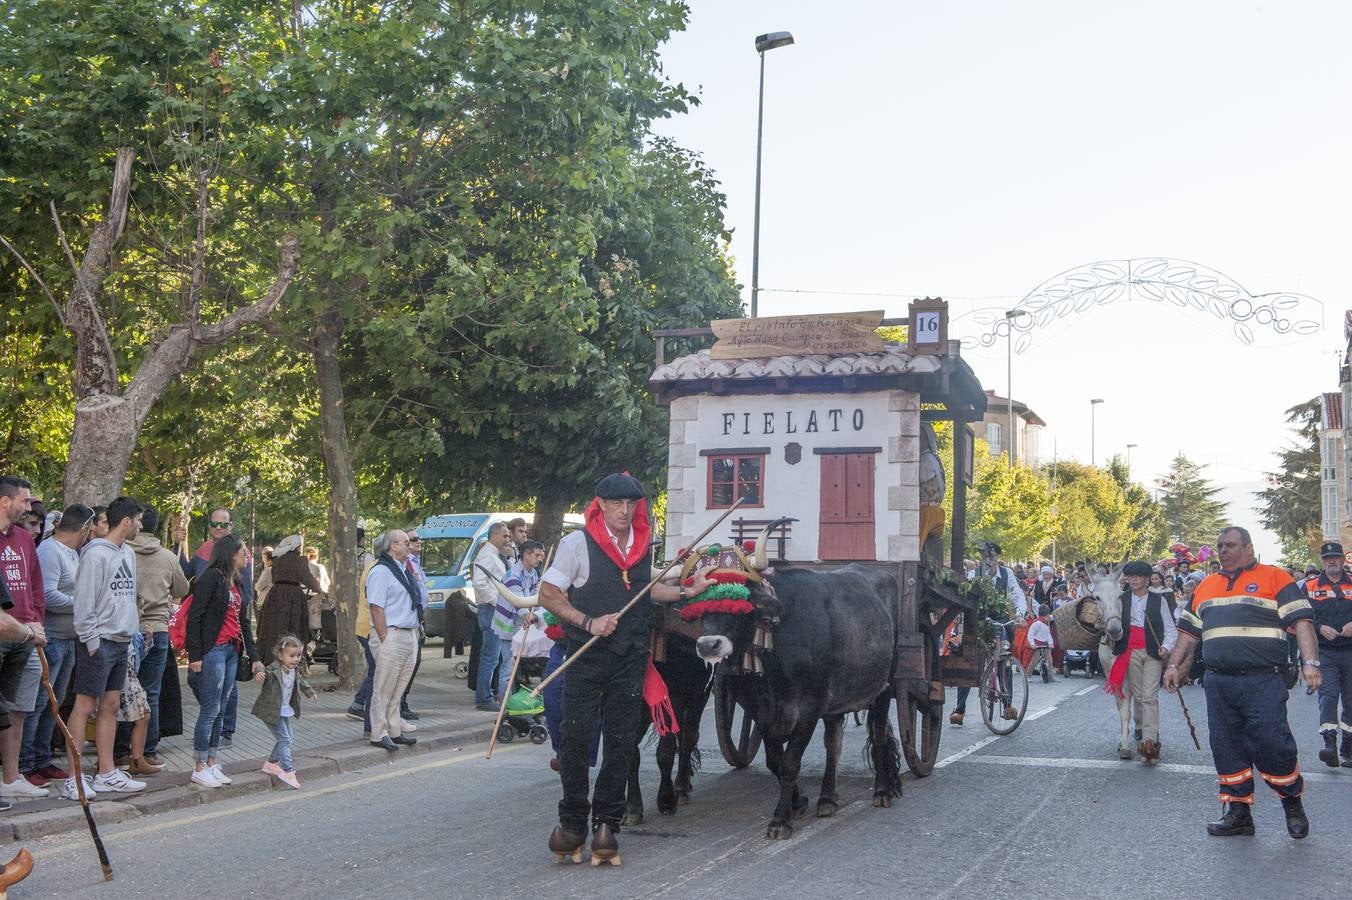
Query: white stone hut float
[834,440]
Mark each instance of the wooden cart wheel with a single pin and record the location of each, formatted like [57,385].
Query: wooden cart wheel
[920,720]
[739,736]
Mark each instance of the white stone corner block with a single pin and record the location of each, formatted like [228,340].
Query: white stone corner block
[680,502]
[682,455]
[676,433]
[685,409]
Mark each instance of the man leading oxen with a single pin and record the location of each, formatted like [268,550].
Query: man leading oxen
[814,645]
[596,572]
[1134,654]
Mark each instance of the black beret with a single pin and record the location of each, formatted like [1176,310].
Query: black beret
[620,486]
[1137,567]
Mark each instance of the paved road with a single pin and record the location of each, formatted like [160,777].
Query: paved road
[1045,812]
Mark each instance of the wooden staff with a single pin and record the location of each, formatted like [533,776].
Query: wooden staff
[511,679]
[637,597]
[1187,718]
[73,753]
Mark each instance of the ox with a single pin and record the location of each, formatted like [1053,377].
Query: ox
[688,682]
[833,646]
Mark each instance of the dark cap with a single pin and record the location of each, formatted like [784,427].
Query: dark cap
[1138,567]
[1332,548]
[619,486]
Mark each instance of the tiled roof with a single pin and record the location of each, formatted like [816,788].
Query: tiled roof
[892,360]
[1333,412]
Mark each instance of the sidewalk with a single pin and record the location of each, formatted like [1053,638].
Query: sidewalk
[327,743]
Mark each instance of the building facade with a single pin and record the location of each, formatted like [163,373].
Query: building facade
[1028,426]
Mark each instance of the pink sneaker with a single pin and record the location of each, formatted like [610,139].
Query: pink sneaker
[290,778]
[272,768]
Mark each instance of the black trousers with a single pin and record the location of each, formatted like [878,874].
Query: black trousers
[613,685]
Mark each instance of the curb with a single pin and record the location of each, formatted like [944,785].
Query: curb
[319,762]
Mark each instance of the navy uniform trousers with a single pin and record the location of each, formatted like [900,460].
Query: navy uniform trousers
[1336,665]
[1246,716]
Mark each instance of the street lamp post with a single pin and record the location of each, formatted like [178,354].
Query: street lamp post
[1130,447]
[1093,455]
[1010,316]
[763,42]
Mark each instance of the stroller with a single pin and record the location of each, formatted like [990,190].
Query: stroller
[525,718]
[1078,661]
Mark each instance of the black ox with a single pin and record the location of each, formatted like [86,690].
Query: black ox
[832,653]
[688,682]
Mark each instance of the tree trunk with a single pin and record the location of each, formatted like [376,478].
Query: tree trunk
[551,502]
[108,419]
[342,497]
[101,445]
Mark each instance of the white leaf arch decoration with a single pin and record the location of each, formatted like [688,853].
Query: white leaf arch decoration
[1174,283]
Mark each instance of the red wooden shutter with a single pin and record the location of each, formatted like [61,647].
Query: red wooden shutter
[846,525]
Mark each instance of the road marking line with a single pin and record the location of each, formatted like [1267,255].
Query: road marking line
[984,742]
[171,821]
[1082,691]
[1039,714]
[814,827]
[1062,762]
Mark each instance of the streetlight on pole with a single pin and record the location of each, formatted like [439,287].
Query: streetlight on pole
[763,42]
[1130,447]
[1010,316]
[1093,456]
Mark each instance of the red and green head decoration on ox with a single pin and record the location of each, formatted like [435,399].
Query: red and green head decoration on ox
[739,607]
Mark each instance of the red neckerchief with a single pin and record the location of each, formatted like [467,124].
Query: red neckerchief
[639,536]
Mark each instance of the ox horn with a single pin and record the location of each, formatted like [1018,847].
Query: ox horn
[512,597]
[759,560]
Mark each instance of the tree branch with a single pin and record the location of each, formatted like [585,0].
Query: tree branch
[263,307]
[360,442]
[95,364]
[36,277]
[198,277]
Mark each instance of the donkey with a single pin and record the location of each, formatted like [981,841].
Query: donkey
[1108,593]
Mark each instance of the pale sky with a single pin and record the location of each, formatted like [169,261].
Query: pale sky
[974,150]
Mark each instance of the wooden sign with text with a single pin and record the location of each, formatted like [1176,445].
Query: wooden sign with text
[828,334]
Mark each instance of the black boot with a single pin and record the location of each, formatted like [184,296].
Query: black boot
[1238,819]
[1297,825]
[1329,755]
[1347,751]
[605,849]
[566,844]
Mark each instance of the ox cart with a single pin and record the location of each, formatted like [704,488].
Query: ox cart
[815,418]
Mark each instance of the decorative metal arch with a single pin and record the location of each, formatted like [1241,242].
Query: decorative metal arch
[1176,283]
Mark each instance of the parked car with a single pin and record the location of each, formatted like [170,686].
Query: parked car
[449,545]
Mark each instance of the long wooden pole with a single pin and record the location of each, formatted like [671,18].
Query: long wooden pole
[511,679]
[73,753]
[637,597]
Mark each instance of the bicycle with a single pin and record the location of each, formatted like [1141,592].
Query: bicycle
[1003,687]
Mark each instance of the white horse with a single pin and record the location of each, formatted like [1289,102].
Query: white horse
[1108,592]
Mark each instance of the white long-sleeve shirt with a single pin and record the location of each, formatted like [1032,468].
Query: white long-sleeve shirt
[1170,635]
[487,561]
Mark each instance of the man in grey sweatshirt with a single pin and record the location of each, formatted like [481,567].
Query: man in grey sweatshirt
[60,558]
[105,622]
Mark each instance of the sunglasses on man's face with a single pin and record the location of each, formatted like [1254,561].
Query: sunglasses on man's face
[220,524]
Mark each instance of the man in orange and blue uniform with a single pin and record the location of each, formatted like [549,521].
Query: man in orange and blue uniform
[1241,615]
[1330,593]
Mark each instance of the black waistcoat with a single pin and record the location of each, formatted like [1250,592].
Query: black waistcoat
[605,593]
[1154,622]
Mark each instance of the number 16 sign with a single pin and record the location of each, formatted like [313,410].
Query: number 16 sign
[928,331]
